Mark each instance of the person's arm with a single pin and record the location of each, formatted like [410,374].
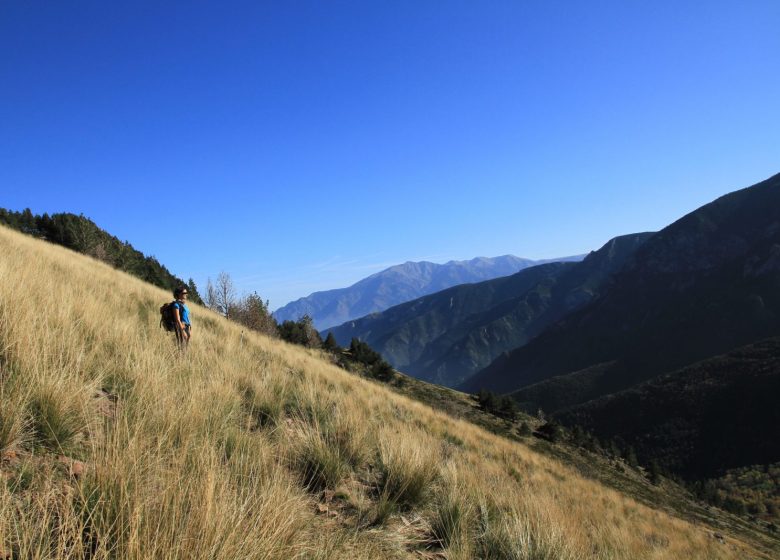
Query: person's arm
[179,324]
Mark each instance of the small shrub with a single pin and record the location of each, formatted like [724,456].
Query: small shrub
[382,371]
[363,353]
[301,332]
[502,406]
[654,472]
[551,431]
[630,457]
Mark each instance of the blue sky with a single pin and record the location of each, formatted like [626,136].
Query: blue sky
[301,146]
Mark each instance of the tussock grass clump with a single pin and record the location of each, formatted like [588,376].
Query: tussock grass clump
[312,406]
[41,525]
[265,399]
[58,414]
[452,520]
[506,534]
[320,464]
[493,539]
[326,451]
[407,469]
[328,442]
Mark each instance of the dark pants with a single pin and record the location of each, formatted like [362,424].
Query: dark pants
[183,342]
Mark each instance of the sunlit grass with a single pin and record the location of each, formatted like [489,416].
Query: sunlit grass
[230,451]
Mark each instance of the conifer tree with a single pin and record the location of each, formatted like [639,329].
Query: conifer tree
[330,343]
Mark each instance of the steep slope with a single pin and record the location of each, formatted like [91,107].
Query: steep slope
[706,284]
[398,284]
[702,420]
[448,336]
[113,445]
[81,234]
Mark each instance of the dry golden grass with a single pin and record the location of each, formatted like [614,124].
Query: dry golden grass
[258,449]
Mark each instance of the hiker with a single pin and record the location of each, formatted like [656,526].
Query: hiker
[181,316]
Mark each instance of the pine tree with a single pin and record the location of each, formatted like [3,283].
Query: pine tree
[330,344]
[193,290]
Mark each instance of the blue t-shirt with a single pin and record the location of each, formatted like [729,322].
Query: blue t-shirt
[184,312]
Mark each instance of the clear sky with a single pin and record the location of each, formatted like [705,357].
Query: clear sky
[301,146]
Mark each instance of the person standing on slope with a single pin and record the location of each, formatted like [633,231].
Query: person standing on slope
[181,315]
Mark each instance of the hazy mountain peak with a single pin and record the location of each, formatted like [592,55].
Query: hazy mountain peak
[398,284]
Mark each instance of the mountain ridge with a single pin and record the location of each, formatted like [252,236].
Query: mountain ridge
[706,283]
[446,336]
[398,284]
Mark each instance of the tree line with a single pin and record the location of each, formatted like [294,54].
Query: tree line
[251,311]
[82,235]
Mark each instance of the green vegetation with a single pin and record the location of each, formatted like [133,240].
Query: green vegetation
[252,312]
[57,422]
[502,406]
[748,491]
[300,332]
[358,358]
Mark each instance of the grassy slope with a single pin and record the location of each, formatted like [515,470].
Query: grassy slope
[609,471]
[259,449]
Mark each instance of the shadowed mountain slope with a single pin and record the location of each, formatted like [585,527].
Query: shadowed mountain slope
[706,284]
[447,336]
[398,284]
[700,421]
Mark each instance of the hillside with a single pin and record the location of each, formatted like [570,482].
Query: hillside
[448,336]
[113,445]
[700,421]
[398,284]
[81,234]
[706,284]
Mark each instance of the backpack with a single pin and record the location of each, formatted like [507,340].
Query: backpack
[167,317]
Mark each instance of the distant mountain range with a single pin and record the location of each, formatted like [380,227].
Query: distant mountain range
[706,284]
[399,284]
[679,357]
[447,336]
[668,342]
